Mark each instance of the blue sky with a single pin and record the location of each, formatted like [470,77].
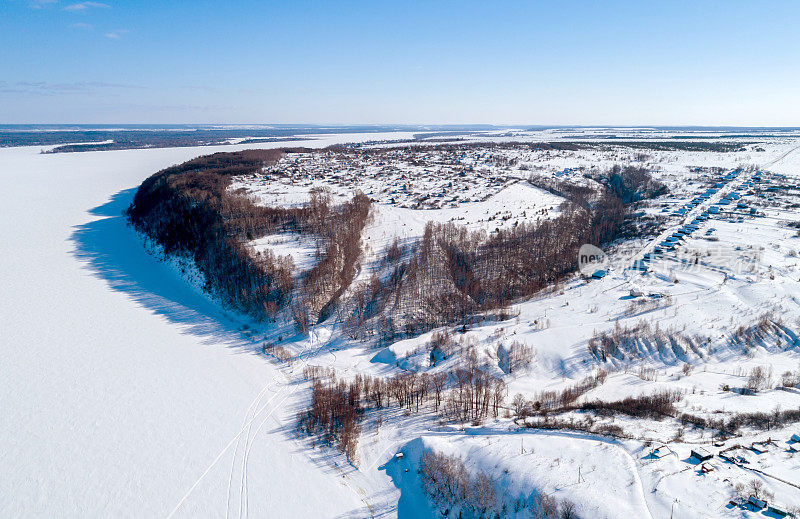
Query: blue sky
[554,62]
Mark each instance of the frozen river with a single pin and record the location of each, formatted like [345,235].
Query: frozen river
[123,392]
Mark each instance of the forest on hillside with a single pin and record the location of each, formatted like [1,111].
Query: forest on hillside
[445,277]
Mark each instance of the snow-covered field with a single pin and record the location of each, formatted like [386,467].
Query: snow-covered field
[125,391]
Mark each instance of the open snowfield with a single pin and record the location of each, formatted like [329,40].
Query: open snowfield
[124,392]
[127,392]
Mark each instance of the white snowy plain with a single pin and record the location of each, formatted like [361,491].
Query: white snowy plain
[123,391]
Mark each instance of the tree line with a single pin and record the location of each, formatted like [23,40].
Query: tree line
[188,209]
[452,273]
[338,407]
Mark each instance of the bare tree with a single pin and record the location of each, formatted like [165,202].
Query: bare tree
[757,379]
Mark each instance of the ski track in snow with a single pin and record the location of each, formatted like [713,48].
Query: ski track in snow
[253,405]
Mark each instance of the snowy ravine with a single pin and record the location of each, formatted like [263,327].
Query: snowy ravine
[123,392]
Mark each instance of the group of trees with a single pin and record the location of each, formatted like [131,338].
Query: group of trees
[758,379]
[453,273]
[549,404]
[456,492]
[514,357]
[338,407]
[656,406]
[324,284]
[730,425]
[632,183]
[189,209]
[334,414]
[449,485]
[550,400]
[577,193]
[474,394]
[765,327]
[641,339]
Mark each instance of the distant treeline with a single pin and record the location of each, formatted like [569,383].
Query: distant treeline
[135,138]
[165,136]
[723,147]
[576,145]
[163,141]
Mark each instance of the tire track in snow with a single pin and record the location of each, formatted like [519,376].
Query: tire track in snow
[246,458]
[286,390]
[253,405]
[637,479]
[248,440]
[309,353]
[237,439]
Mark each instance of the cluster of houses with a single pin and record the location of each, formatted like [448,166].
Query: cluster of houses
[731,197]
[565,172]
[740,456]
[418,178]
[715,210]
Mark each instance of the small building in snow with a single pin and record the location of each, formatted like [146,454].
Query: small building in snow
[761,447]
[660,452]
[779,511]
[754,503]
[700,454]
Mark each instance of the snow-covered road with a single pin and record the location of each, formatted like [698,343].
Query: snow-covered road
[119,384]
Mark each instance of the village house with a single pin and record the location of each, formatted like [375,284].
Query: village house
[701,454]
